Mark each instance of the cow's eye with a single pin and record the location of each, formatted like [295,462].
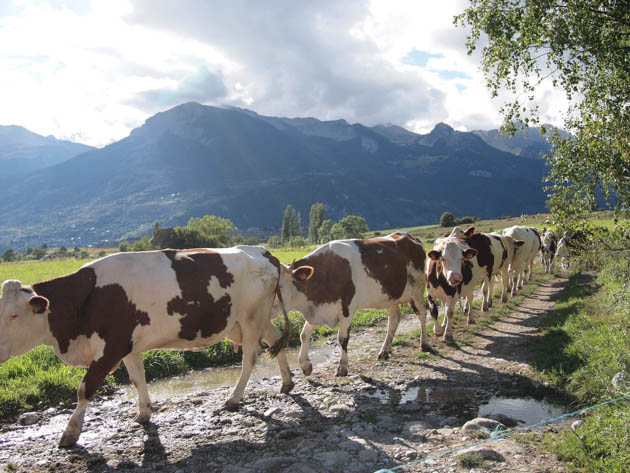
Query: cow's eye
[13,316]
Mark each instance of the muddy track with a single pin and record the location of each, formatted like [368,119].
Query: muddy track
[384,414]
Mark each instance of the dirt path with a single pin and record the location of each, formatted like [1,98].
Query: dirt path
[392,413]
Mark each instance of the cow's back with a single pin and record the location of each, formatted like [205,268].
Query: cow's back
[531,238]
[192,297]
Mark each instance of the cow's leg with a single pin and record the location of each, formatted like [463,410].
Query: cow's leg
[135,368]
[486,289]
[251,350]
[343,336]
[305,340]
[91,381]
[469,300]
[393,319]
[505,282]
[438,329]
[448,318]
[271,336]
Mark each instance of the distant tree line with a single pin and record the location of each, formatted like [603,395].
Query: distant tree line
[43,252]
[448,220]
[320,229]
[208,231]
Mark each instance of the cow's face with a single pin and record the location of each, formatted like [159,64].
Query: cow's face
[23,324]
[452,254]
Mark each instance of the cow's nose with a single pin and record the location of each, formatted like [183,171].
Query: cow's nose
[454,278]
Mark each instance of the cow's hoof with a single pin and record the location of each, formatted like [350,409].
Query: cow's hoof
[307,368]
[68,440]
[425,347]
[287,388]
[504,299]
[142,417]
[231,405]
[447,338]
[384,355]
[342,371]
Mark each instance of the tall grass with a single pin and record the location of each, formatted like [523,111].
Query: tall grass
[586,342]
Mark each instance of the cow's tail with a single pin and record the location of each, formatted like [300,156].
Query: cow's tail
[284,340]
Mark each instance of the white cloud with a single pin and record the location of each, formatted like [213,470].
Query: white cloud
[91,71]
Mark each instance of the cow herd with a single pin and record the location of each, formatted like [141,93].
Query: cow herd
[115,308]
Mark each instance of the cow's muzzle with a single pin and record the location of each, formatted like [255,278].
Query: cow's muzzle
[454,279]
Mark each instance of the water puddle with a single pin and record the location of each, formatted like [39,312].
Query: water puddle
[437,395]
[212,378]
[525,411]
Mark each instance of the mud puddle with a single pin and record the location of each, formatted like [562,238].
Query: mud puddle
[320,353]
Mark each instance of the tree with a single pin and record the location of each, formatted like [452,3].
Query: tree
[354,226]
[8,255]
[316,217]
[447,219]
[582,46]
[213,228]
[291,224]
[324,231]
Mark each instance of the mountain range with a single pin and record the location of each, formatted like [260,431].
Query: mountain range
[194,160]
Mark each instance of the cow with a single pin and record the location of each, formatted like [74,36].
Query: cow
[524,255]
[490,256]
[116,307]
[548,250]
[342,276]
[562,252]
[452,273]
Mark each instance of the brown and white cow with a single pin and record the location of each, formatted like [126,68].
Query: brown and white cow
[452,273]
[459,263]
[523,259]
[548,250]
[119,306]
[330,284]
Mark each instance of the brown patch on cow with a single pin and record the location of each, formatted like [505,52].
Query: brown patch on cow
[504,255]
[385,260]
[436,278]
[201,314]
[331,280]
[482,244]
[78,307]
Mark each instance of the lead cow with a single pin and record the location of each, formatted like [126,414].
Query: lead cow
[117,307]
[330,284]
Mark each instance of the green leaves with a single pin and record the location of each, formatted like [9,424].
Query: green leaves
[582,47]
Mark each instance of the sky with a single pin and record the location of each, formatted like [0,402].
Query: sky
[92,70]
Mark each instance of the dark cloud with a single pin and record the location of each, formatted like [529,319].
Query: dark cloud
[203,86]
[298,58]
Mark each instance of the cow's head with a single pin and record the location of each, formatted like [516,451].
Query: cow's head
[23,324]
[452,254]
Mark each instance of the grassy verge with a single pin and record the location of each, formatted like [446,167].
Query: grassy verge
[585,343]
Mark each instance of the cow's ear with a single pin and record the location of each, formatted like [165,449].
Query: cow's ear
[519,242]
[470,253]
[446,235]
[434,255]
[303,273]
[469,232]
[39,304]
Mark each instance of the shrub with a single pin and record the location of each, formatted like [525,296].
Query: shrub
[447,219]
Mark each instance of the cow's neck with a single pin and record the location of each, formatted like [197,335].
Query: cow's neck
[67,296]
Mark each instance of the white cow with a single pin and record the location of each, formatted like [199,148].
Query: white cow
[117,307]
[524,255]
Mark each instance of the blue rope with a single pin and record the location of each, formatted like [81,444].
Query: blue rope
[499,434]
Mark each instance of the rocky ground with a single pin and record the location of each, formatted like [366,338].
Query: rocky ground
[384,415]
